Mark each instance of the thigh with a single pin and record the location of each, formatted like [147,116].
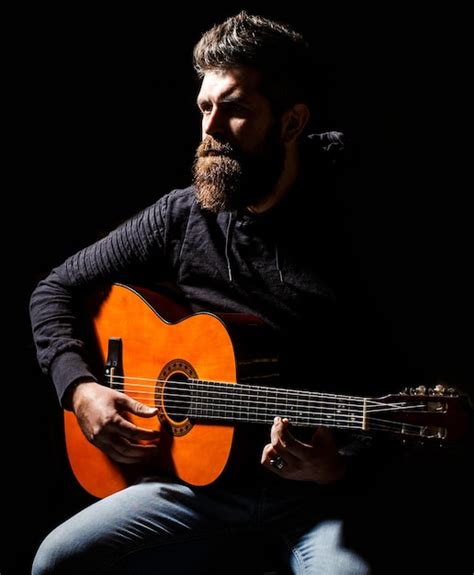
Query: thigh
[321,550]
[150,514]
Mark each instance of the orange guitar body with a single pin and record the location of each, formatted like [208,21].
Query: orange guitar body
[204,371]
[157,349]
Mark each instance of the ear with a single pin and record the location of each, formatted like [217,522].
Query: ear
[293,122]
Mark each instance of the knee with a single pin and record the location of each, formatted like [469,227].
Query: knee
[44,560]
[53,556]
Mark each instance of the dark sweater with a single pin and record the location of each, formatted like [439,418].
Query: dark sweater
[290,266]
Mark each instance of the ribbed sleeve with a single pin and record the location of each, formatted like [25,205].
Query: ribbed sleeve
[130,246]
[136,245]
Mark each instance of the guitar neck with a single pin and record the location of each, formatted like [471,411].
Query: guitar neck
[225,402]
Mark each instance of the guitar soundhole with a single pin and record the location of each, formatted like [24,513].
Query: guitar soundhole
[173,393]
[176,397]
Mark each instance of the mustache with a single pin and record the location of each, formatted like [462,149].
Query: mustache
[211,147]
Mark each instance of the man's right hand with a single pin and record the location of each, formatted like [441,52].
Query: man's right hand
[100,413]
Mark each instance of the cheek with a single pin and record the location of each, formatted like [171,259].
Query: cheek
[250,138]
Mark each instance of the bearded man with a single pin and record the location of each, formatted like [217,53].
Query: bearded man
[257,233]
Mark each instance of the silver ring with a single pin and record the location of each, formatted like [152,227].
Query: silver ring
[278,462]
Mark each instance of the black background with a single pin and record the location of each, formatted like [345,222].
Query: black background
[106,122]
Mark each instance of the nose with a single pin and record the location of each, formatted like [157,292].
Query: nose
[213,123]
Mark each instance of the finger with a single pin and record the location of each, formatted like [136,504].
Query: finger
[276,434]
[283,440]
[276,448]
[117,456]
[269,455]
[136,407]
[131,431]
[122,450]
[111,452]
[120,458]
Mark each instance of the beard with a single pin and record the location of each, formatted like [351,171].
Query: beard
[226,179]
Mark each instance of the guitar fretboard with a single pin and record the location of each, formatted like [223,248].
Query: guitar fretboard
[258,404]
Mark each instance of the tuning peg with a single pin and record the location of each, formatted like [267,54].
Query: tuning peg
[421,390]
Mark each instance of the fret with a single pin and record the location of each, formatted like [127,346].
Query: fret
[257,409]
[352,417]
[290,407]
[194,404]
[309,413]
[225,401]
[220,407]
[302,409]
[306,408]
[266,417]
[255,405]
[320,412]
[342,412]
[209,401]
[204,397]
[238,408]
[245,403]
[216,405]
[207,407]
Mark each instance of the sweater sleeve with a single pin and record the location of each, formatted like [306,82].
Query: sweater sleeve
[134,248]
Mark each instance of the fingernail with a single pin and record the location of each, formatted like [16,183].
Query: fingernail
[277,419]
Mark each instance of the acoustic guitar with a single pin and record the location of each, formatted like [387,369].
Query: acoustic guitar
[207,372]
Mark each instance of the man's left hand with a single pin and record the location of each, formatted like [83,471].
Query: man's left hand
[290,458]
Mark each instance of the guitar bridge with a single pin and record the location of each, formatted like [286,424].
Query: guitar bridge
[113,371]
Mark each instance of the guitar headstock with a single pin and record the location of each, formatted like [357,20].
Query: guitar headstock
[436,415]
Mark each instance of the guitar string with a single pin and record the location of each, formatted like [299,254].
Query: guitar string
[219,385]
[376,424]
[256,390]
[325,414]
[307,402]
[181,399]
[223,383]
[296,410]
[231,401]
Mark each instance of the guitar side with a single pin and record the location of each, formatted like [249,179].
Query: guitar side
[155,349]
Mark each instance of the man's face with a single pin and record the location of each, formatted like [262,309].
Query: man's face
[241,155]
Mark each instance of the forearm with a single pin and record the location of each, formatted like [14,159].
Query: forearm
[59,343]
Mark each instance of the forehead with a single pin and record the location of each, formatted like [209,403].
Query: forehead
[234,82]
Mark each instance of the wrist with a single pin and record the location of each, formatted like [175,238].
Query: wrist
[334,472]
[70,395]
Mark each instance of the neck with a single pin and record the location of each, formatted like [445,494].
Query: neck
[284,184]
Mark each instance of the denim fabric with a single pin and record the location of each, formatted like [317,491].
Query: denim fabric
[164,527]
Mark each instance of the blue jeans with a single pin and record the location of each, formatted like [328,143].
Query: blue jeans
[162,527]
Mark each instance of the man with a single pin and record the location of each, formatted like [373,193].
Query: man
[258,232]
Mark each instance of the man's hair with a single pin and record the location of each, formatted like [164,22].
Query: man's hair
[276,51]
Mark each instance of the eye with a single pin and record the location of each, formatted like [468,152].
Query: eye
[236,108]
[205,109]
